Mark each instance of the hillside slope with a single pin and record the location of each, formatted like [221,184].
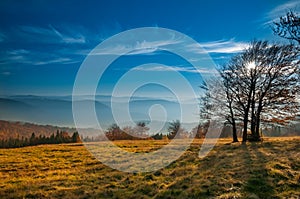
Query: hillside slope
[14,129]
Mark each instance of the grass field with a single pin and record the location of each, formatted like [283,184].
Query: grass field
[270,169]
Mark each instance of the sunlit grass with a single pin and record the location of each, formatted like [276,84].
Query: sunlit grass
[270,169]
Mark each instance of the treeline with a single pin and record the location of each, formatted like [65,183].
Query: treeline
[58,138]
[175,130]
[141,132]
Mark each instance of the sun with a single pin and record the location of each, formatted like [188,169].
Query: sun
[250,65]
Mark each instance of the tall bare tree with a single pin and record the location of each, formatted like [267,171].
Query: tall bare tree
[213,103]
[230,92]
[260,79]
[277,86]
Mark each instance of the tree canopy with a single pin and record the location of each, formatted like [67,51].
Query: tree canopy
[261,85]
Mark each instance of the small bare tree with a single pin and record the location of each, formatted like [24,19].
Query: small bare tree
[174,129]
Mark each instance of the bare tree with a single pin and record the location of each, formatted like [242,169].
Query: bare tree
[212,107]
[175,129]
[288,27]
[230,112]
[260,79]
[205,111]
[141,129]
[240,86]
[114,132]
[278,85]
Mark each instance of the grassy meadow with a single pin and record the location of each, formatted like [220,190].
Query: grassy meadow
[269,169]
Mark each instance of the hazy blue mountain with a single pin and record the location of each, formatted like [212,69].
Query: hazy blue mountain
[17,110]
[45,110]
[57,110]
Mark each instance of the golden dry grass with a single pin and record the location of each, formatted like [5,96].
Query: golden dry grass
[270,169]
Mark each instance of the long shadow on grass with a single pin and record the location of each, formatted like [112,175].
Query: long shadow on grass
[216,175]
[230,171]
[258,183]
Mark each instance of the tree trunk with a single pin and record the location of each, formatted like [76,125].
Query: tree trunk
[234,132]
[245,130]
[257,135]
[253,117]
[246,117]
[253,123]
[259,110]
[245,125]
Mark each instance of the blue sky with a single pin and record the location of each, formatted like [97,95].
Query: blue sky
[43,43]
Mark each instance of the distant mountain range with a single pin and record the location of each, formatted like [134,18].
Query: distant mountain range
[57,110]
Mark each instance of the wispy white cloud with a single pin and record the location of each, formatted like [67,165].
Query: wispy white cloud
[60,60]
[36,30]
[50,34]
[281,10]
[22,56]
[18,52]
[74,53]
[150,47]
[78,38]
[14,56]
[171,68]
[219,46]
[144,47]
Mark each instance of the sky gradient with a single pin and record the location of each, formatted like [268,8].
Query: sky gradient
[43,43]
